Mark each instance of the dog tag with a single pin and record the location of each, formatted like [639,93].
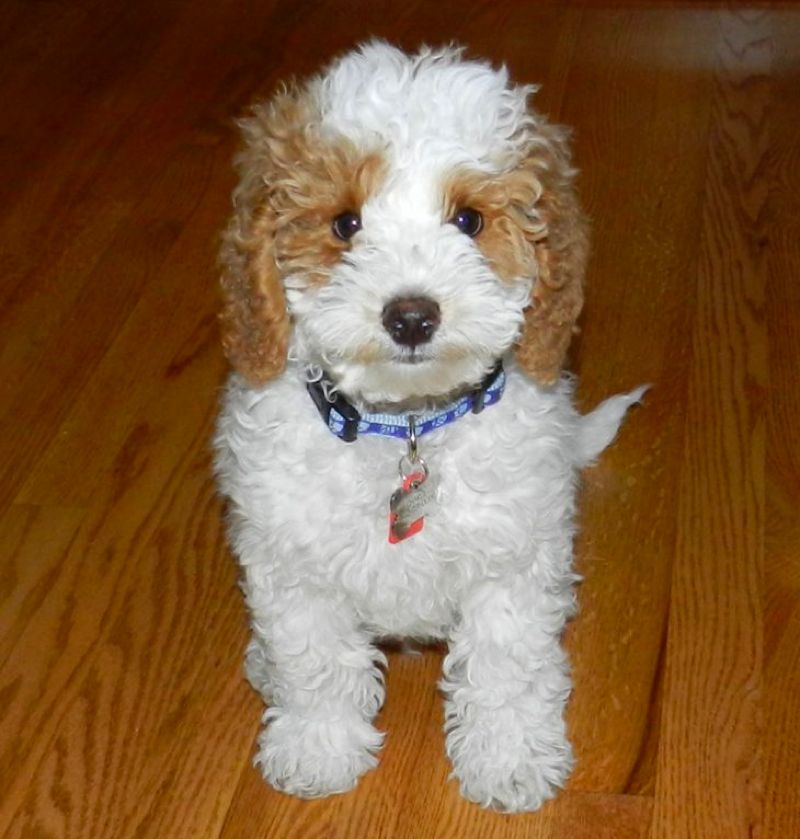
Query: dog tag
[409,505]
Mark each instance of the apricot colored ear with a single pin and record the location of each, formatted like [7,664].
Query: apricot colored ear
[561,255]
[254,320]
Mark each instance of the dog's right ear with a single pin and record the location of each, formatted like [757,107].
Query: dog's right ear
[254,321]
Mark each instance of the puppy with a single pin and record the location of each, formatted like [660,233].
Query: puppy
[399,449]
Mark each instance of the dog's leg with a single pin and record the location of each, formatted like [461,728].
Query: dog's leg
[506,681]
[320,674]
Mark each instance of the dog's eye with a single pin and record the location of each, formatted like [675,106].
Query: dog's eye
[346,225]
[468,221]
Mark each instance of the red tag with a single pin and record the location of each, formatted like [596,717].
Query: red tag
[396,508]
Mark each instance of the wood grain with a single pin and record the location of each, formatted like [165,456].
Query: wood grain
[781,814]
[714,664]
[652,162]
[123,713]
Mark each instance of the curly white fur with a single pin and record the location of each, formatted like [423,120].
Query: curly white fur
[490,572]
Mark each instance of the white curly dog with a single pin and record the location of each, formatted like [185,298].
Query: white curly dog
[399,449]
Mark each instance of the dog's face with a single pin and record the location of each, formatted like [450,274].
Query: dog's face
[402,222]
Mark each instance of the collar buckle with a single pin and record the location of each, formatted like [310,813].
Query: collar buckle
[348,413]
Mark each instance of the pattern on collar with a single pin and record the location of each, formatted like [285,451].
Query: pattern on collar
[345,421]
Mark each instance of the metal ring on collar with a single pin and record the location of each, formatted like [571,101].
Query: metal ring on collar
[413,451]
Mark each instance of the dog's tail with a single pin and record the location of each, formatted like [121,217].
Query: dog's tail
[597,429]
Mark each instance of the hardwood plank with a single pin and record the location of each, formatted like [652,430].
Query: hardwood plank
[781,789]
[121,714]
[114,194]
[149,486]
[70,354]
[176,322]
[32,542]
[654,156]
[708,773]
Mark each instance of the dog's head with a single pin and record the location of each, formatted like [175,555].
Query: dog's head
[402,222]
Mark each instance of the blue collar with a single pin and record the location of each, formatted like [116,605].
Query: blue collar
[344,420]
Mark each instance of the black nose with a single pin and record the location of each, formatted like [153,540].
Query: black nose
[411,321]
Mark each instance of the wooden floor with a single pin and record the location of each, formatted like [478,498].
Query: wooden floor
[123,712]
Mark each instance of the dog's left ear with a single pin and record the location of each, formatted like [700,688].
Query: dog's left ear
[561,256]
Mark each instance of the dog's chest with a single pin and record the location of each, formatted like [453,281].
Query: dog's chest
[324,508]
[491,504]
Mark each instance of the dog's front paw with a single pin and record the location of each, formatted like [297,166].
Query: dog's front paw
[311,756]
[507,762]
